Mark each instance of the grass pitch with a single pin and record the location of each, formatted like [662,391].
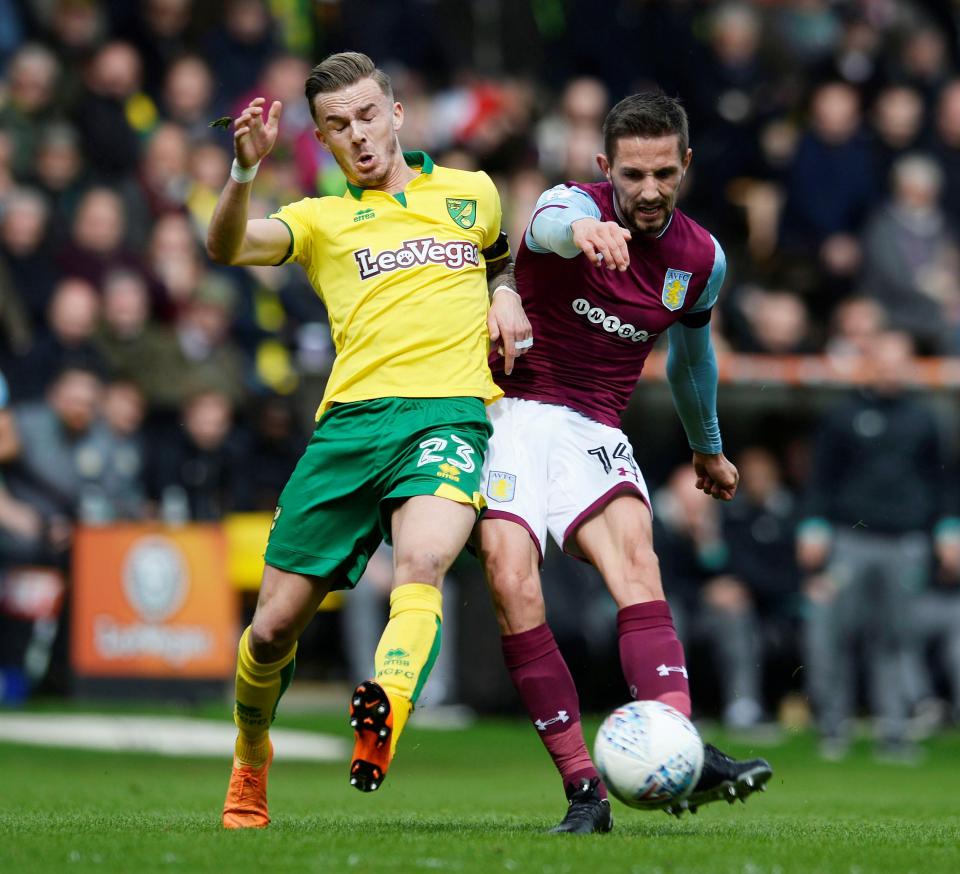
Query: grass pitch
[464,801]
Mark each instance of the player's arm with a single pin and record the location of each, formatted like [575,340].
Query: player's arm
[508,324]
[566,221]
[232,238]
[693,375]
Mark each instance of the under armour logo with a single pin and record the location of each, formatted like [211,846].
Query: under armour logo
[560,717]
[664,671]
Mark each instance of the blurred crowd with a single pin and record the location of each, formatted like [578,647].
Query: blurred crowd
[143,381]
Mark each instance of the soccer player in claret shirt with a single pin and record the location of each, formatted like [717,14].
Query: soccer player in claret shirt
[604,269]
[403,261]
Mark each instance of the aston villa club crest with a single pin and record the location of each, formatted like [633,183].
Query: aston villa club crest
[501,486]
[463,212]
[675,285]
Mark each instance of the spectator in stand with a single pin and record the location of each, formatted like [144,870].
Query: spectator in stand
[202,462]
[209,166]
[858,57]
[911,258]
[297,160]
[64,447]
[124,487]
[109,129]
[207,356]
[855,324]
[769,322]
[946,146]
[936,626]
[97,241]
[74,29]
[133,346]
[174,258]
[569,140]
[897,121]
[874,494]
[731,98]
[165,172]
[273,450]
[188,92]
[71,320]
[689,544]
[808,32]
[60,174]
[755,605]
[30,104]
[240,46]
[25,251]
[831,183]
[160,31]
[923,61]
[23,536]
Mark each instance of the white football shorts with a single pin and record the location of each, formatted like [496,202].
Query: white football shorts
[548,468]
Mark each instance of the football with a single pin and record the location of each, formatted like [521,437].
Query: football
[649,754]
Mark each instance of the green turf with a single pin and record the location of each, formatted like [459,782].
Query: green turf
[477,800]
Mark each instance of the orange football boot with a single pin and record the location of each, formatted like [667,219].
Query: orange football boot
[246,803]
[371,719]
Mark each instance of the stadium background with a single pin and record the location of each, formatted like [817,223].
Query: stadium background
[209,377]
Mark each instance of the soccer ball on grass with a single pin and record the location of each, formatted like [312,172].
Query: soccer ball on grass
[649,754]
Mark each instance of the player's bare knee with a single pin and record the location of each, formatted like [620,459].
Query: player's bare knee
[420,567]
[270,639]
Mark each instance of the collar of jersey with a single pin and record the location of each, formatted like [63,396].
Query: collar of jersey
[413,159]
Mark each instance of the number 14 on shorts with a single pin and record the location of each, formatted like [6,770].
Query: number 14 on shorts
[620,453]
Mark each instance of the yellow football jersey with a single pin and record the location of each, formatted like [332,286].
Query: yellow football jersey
[403,279]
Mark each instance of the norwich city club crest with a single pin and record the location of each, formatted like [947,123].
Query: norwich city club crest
[675,288]
[463,212]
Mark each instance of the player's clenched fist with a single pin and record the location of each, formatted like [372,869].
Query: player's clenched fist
[604,243]
[254,136]
[716,475]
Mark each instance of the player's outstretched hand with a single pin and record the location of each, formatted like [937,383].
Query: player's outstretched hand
[254,137]
[509,328]
[716,476]
[604,243]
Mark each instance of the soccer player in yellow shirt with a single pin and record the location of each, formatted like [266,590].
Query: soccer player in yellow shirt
[403,262]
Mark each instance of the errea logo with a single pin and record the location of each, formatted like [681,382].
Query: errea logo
[362,215]
[417,253]
[610,323]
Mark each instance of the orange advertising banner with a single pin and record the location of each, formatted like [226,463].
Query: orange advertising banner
[153,602]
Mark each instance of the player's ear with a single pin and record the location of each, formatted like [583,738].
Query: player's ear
[687,159]
[603,164]
[397,116]
[321,139]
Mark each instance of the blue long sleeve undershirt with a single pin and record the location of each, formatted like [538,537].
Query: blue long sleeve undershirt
[692,372]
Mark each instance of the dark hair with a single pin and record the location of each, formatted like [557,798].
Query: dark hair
[340,70]
[78,361]
[646,115]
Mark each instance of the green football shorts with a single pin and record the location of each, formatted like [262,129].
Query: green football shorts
[363,458]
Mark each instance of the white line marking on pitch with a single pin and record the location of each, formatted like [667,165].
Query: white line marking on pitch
[164,735]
